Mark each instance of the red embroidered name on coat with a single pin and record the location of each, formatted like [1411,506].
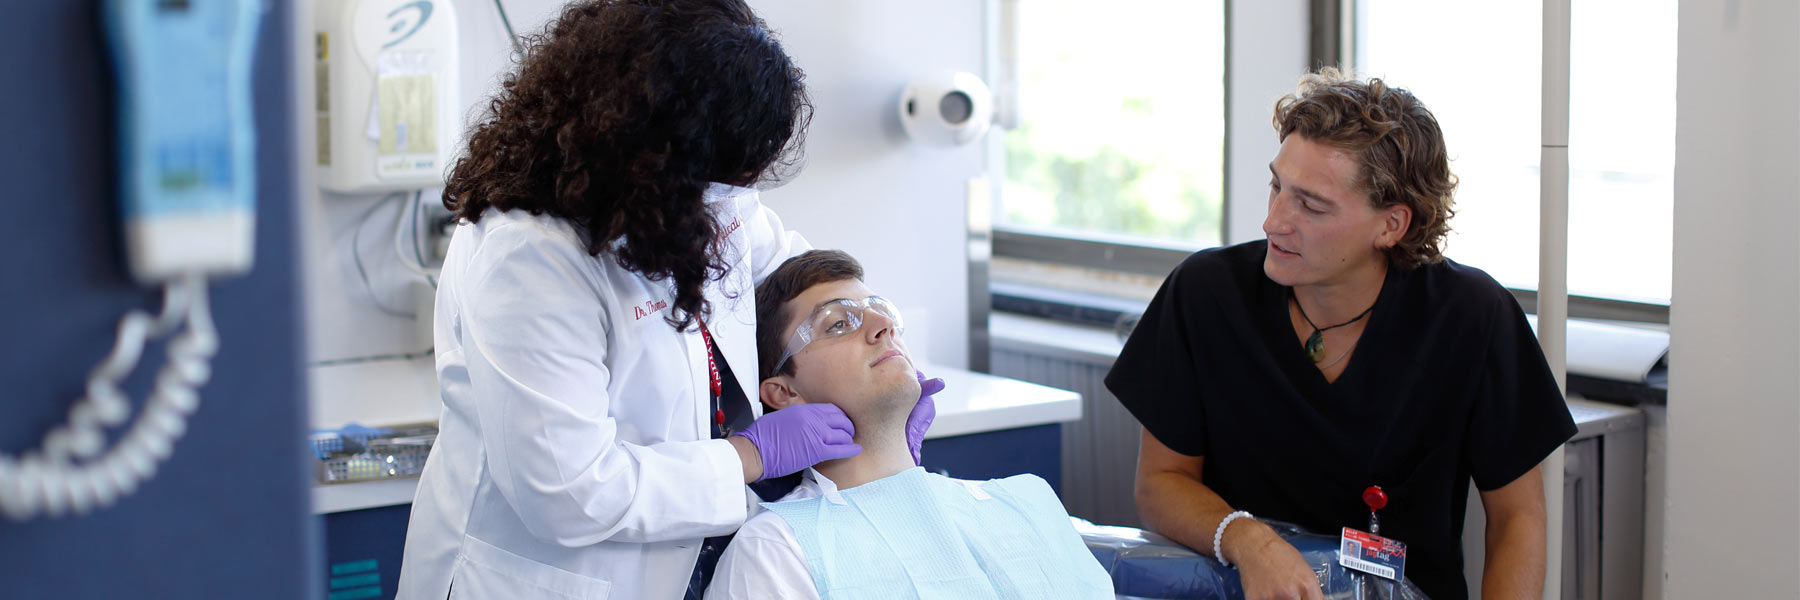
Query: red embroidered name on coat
[648,308]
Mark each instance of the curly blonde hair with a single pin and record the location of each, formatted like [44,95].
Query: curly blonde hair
[1397,145]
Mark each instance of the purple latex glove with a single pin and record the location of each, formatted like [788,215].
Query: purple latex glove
[922,413]
[801,436]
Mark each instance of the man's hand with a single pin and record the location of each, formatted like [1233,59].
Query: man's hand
[1173,502]
[1268,567]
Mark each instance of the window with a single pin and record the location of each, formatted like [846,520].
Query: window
[1122,136]
[1477,65]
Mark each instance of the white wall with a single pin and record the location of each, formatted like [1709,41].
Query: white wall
[866,189]
[899,208]
[1732,517]
[1267,55]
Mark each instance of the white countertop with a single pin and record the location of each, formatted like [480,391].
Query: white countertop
[342,497]
[977,402]
[970,403]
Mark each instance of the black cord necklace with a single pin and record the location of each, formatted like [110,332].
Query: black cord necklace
[1315,343]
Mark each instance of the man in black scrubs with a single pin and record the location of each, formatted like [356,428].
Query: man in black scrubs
[1283,377]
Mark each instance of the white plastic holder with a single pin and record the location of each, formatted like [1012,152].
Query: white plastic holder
[946,109]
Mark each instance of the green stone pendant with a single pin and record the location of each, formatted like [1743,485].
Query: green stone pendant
[1315,346]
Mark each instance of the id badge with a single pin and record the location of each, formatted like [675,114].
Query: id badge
[1372,554]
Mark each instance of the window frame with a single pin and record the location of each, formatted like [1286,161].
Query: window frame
[1603,308]
[1331,38]
[1090,251]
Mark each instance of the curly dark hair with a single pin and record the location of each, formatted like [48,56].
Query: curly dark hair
[619,116]
[1398,147]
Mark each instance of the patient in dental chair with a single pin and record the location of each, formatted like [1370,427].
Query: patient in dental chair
[875,524]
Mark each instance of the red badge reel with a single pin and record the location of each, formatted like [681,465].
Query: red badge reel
[1376,499]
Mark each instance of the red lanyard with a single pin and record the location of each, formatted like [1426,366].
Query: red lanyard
[712,369]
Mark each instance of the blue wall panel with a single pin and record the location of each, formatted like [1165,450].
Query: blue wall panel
[227,515]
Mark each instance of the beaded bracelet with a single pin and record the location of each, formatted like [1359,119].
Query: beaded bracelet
[1219,535]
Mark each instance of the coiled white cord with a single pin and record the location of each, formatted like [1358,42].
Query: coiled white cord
[69,475]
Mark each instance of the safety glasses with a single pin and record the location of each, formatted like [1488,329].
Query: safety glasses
[838,318]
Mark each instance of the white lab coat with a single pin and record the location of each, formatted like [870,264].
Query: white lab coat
[573,457]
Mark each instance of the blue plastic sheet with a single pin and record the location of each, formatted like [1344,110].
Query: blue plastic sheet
[1147,565]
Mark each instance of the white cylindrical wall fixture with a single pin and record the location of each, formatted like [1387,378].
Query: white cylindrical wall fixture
[949,108]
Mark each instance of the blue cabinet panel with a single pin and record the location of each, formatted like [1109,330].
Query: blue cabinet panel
[995,454]
[362,552]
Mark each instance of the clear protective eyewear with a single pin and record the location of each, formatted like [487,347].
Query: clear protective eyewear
[838,318]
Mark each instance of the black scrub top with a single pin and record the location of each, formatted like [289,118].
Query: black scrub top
[1447,383]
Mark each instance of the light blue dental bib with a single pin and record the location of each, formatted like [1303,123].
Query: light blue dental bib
[924,536]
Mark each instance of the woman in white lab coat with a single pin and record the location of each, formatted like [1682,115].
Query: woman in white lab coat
[594,302]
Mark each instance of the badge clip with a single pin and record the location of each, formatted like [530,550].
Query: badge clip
[1368,552]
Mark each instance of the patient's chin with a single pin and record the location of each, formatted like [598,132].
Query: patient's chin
[900,394]
[908,386]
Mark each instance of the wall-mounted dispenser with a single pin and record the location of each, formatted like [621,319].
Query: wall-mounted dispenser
[389,117]
[948,108]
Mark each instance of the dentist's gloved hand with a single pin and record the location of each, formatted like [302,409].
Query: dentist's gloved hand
[801,436]
[922,413]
